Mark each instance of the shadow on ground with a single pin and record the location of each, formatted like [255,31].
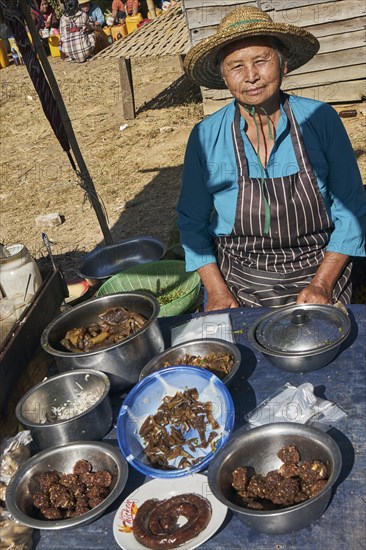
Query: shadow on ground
[180,92]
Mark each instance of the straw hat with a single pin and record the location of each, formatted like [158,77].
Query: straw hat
[81,2]
[200,63]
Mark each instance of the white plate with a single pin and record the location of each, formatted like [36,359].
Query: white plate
[161,489]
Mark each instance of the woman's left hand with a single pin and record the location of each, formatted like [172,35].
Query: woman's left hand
[320,290]
[314,294]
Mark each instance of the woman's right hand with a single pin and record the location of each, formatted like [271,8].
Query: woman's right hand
[218,294]
[220,301]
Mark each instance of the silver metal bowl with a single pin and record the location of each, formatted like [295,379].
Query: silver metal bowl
[257,448]
[300,338]
[103,262]
[62,458]
[194,347]
[123,361]
[34,410]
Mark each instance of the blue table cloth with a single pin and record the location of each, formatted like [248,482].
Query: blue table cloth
[343,381]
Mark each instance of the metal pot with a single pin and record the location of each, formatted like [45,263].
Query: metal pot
[123,361]
[257,448]
[35,408]
[301,338]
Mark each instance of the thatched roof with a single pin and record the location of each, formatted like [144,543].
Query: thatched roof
[165,35]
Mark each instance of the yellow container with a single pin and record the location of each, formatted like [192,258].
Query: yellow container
[4,61]
[118,31]
[30,37]
[53,43]
[15,49]
[132,22]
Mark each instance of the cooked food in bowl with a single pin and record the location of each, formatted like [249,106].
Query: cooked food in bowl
[218,363]
[290,484]
[69,406]
[219,357]
[155,524]
[64,459]
[62,496]
[165,432]
[263,450]
[111,326]
[208,408]
[80,399]
[167,297]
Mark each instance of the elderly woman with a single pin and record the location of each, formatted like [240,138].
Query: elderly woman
[272,206]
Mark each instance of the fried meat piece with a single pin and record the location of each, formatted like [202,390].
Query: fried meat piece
[81,467]
[289,454]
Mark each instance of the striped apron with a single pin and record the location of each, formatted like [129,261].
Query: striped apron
[270,270]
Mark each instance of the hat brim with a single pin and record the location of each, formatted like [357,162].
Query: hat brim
[200,63]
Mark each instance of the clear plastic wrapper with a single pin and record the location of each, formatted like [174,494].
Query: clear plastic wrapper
[212,326]
[14,535]
[296,404]
[13,452]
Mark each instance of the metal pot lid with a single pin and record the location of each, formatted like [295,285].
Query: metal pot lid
[302,328]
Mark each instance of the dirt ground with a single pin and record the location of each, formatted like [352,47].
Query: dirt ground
[136,171]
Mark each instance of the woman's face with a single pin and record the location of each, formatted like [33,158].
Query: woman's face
[252,72]
[85,7]
[43,6]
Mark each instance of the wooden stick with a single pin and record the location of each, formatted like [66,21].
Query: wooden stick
[87,183]
[128,99]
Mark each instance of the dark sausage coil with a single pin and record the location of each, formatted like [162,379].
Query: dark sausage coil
[155,524]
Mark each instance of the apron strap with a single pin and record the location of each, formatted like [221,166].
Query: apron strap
[301,155]
[241,160]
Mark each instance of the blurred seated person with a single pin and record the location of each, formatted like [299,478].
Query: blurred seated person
[43,16]
[76,33]
[96,22]
[122,8]
[94,12]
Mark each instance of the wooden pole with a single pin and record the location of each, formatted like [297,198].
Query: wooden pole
[128,98]
[87,183]
[151,8]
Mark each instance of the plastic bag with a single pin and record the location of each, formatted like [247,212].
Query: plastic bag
[212,326]
[13,452]
[14,535]
[296,404]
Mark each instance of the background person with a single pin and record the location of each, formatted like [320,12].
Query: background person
[122,8]
[272,205]
[43,16]
[76,34]
[94,12]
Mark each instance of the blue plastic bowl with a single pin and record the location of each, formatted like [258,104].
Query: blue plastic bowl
[146,397]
